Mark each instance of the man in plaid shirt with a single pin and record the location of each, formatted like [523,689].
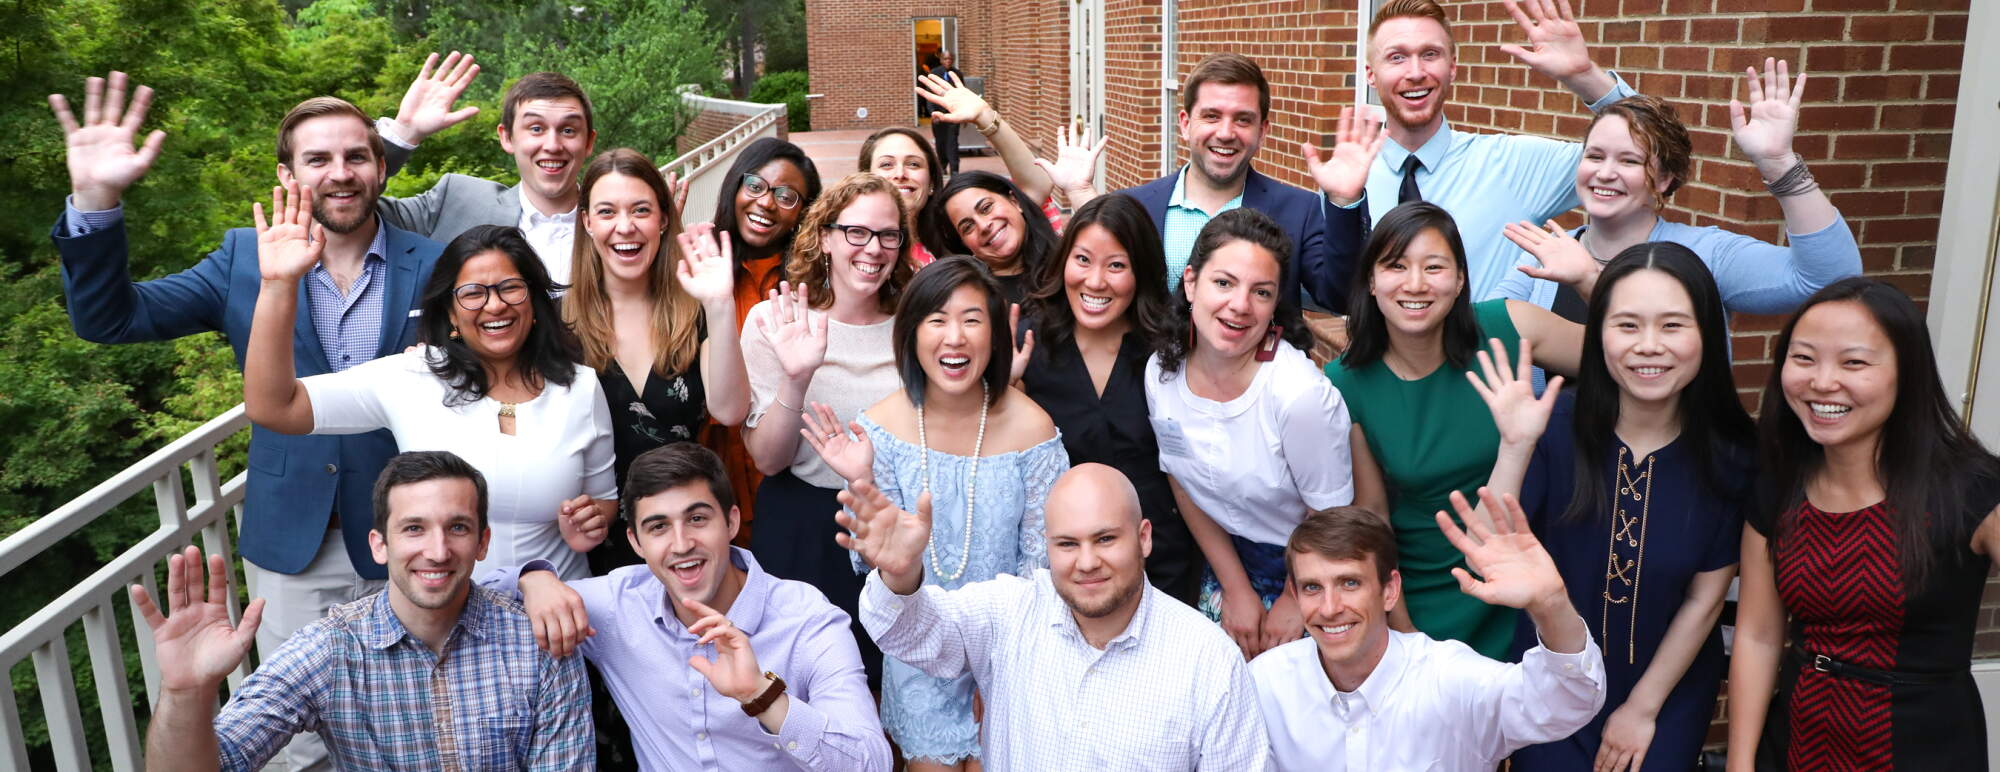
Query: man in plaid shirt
[431,673]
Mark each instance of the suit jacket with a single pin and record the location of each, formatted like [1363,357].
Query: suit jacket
[296,482]
[1326,239]
[451,207]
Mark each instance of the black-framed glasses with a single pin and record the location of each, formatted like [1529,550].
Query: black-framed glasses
[859,235]
[472,297]
[785,196]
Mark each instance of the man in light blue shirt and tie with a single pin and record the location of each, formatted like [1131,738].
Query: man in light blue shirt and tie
[1484,180]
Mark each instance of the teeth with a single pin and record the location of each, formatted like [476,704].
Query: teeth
[1336,629]
[1604,192]
[686,564]
[1223,151]
[552,165]
[1415,93]
[954,361]
[867,269]
[496,325]
[1649,371]
[1829,409]
[627,248]
[1093,302]
[761,221]
[1415,305]
[1233,326]
[433,574]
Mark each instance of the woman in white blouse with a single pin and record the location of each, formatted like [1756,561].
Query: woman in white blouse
[496,379]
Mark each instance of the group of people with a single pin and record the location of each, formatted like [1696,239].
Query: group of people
[923,456]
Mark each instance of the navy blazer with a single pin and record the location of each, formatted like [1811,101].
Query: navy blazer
[296,482]
[1326,239]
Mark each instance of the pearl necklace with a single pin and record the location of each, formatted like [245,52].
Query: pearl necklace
[972,477]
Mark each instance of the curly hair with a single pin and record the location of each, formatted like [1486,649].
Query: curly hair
[1659,133]
[1176,342]
[810,265]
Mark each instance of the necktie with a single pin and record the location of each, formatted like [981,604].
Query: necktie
[1409,192]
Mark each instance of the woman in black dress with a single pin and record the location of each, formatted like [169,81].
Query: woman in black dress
[1873,534]
[1097,309]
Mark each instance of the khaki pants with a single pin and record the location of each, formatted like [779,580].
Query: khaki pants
[292,601]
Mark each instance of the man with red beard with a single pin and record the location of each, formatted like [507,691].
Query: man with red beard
[1484,180]
[307,512]
[1083,665]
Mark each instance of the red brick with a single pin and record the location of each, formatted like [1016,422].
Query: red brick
[1838,117]
[1878,87]
[1897,230]
[1941,86]
[1830,58]
[1921,257]
[1945,28]
[1937,146]
[1722,30]
[1785,29]
[1867,203]
[1758,6]
[1921,116]
[1909,174]
[1855,146]
[1667,30]
[1930,56]
[1893,27]
[1876,259]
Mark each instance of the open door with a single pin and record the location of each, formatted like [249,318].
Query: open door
[928,36]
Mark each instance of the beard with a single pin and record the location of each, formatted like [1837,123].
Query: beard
[366,193]
[1122,592]
[1223,178]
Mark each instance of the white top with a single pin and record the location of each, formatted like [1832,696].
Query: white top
[859,370]
[1429,705]
[561,446]
[1257,463]
[1170,693]
[554,238]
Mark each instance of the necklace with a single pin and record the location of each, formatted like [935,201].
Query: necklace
[971,477]
[1627,571]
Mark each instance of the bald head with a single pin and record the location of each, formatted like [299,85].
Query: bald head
[1092,489]
[1098,540]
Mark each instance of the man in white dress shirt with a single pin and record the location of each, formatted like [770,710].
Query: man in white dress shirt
[1355,695]
[1084,665]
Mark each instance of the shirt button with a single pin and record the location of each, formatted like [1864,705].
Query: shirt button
[330,469]
[791,746]
[701,735]
[694,692]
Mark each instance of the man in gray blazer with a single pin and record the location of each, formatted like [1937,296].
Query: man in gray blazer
[545,123]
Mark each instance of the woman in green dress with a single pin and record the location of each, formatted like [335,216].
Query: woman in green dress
[1414,333]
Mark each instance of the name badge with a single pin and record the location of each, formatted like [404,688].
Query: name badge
[1172,441]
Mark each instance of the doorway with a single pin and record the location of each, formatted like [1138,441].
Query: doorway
[928,36]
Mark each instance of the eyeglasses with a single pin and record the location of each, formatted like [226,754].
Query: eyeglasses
[859,236]
[786,197]
[472,297]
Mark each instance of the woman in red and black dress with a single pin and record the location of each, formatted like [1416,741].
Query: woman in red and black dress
[1874,535]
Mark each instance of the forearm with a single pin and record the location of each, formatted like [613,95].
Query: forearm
[1557,624]
[1214,543]
[1807,212]
[1015,153]
[181,736]
[272,394]
[1686,634]
[774,442]
[919,627]
[726,383]
[1759,643]
[1510,467]
[1590,85]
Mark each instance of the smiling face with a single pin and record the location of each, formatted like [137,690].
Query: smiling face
[432,542]
[1346,607]
[1098,279]
[1411,65]
[683,535]
[858,271]
[1611,176]
[759,219]
[1415,290]
[1224,131]
[991,225]
[1839,374]
[331,154]
[496,330]
[898,160]
[1233,297]
[955,342]
[625,222]
[549,140]
[1652,343]
[1097,542]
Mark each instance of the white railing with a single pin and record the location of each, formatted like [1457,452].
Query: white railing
[703,167]
[96,601]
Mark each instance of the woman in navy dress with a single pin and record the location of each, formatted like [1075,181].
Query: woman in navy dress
[1636,489]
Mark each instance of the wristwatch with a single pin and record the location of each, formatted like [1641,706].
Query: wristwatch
[756,707]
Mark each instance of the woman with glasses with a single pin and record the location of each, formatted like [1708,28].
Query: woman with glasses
[822,339]
[497,378]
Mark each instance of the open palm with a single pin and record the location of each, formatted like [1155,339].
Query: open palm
[852,456]
[955,102]
[1765,132]
[1343,173]
[1513,569]
[1509,393]
[1564,260]
[884,535]
[194,641]
[797,335]
[102,159]
[292,242]
[1076,160]
[707,269]
[1555,41]
[427,106]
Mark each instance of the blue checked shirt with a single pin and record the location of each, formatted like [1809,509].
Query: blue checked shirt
[381,699]
[1184,224]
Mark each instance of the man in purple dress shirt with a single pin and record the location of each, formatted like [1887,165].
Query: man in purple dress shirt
[773,678]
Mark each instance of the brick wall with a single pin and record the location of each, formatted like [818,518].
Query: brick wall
[713,117]
[861,54]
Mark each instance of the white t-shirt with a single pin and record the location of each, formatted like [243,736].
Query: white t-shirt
[554,237]
[1257,463]
[859,370]
[561,446]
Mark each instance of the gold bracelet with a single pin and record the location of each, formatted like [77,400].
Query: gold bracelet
[987,130]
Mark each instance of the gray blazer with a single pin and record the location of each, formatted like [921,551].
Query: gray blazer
[455,204]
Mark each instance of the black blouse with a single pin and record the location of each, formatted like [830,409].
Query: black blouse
[671,409]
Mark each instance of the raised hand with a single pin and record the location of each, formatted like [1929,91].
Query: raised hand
[1765,132]
[1343,173]
[426,107]
[1018,366]
[1514,570]
[1075,167]
[195,643]
[885,536]
[707,268]
[102,161]
[796,333]
[1564,259]
[556,613]
[850,456]
[679,188]
[290,245]
[1555,42]
[1510,394]
[955,102]
[733,672]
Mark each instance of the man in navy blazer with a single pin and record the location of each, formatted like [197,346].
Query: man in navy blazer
[308,510]
[1225,112]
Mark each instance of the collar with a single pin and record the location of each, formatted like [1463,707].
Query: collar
[1060,618]
[381,629]
[1179,197]
[1430,155]
[1380,686]
[378,250]
[746,613]
[532,216]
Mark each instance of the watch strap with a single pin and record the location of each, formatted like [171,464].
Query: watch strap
[756,707]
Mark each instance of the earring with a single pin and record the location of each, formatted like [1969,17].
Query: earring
[1268,350]
[454,333]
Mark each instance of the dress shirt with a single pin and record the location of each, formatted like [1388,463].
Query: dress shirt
[553,236]
[1428,705]
[1169,693]
[1487,181]
[1184,223]
[680,722]
[381,699]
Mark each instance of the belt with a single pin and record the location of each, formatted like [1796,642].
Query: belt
[1825,664]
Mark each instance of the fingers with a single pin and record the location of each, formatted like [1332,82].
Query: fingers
[424,72]
[1520,17]
[1466,584]
[177,569]
[114,99]
[218,580]
[1756,86]
[1523,370]
[709,616]
[1798,93]
[1311,154]
[246,628]
[148,611]
[257,217]
[136,114]
[1027,346]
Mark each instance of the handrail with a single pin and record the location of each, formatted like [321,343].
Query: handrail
[698,160]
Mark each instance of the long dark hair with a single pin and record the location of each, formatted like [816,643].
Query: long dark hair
[1367,330]
[1927,459]
[551,351]
[927,295]
[1176,342]
[1712,419]
[1128,223]
[1038,244]
[755,156]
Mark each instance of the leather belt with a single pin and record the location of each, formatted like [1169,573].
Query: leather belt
[1825,664]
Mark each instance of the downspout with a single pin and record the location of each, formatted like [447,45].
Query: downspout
[1170,83]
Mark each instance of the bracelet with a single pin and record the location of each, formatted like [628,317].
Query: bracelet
[988,129]
[1795,182]
[781,403]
